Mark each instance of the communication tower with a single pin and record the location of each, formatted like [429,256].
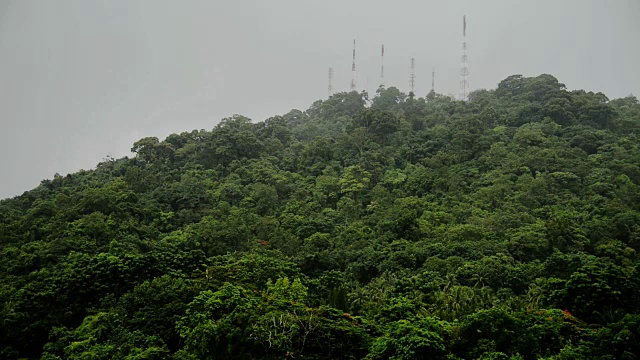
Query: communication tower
[353,68]
[433,79]
[330,82]
[464,70]
[412,77]
[382,67]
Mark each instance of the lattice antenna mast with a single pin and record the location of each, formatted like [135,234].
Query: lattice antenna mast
[330,82]
[464,70]
[353,68]
[433,79]
[382,67]
[412,77]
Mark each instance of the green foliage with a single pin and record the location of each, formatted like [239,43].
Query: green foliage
[235,323]
[504,227]
[598,290]
[423,338]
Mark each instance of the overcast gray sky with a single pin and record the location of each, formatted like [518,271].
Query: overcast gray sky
[81,79]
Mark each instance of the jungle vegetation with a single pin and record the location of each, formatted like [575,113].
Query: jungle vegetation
[391,227]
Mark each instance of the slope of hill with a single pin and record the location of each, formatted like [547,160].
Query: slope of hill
[505,227]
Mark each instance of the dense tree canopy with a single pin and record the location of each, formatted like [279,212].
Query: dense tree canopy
[505,227]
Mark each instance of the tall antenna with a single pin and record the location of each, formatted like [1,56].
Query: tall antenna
[353,68]
[412,76]
[382,67]
[330,82]
[433,79]
[464,70]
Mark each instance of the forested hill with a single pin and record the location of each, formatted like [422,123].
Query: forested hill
[397,227]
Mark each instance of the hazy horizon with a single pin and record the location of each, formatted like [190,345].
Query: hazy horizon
[81,80]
